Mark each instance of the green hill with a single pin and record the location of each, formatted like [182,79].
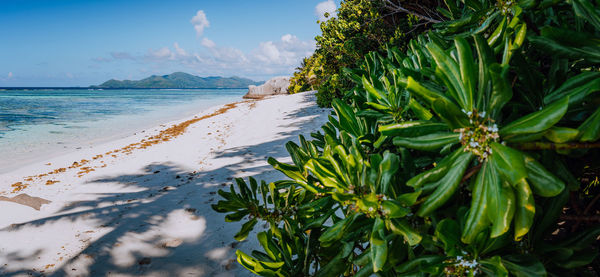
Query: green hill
[180,80]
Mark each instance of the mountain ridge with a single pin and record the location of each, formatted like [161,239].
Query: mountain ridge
[179,80]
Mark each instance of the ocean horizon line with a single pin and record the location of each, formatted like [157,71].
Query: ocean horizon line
[120,88]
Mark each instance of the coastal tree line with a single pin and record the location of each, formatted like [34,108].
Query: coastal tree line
[464,141]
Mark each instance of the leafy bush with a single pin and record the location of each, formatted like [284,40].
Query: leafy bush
[361,26]
[465,154]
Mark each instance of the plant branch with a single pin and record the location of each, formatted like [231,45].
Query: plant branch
[593,218]
[587,209]
[471,172]
[398,8]
[556,146]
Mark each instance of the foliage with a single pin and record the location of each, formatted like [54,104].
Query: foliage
[464,154]
[360,26]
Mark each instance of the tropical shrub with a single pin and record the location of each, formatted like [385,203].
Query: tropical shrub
[471,152]
[360,26]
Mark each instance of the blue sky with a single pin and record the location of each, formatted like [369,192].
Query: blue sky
[82,43]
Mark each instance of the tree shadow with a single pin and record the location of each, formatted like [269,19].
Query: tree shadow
[159,222]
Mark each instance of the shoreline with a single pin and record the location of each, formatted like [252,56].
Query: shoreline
[151,136]
[35,143]
[147,211]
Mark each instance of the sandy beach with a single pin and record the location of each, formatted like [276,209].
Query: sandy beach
[141,205]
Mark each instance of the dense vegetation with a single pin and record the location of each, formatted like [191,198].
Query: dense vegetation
[474,151]
[180,80]
[360,27]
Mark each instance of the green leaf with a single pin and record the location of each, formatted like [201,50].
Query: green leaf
[477,218]
[336,231]
[291,171]
[424,93]
[509,162]
[524,266]
[387,168]
[347,118]
[365,271]
[418,264]
[486,58]
[448,70]
[419,111]
[590,128]
[429,142]
[403,228]
[501,200]
[408,199]
[467,71]
[448,232]
[543,181]
[501,89]
[561,134]
[412,128]
[493,267]
[379,246]
[435,173]
[394,209]
[338,264]
[586,10]
[498,33]
[265,240]
[450,113]
[576,88]
[246,228]
[525,209]
[579,259]
[447,185]
[259,267]
[567,43]
[237,216]
[537,121]
[373,92]
[327,177]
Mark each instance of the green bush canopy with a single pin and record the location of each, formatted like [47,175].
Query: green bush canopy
[469,149]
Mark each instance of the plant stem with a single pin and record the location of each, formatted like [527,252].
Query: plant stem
[398,8]
[471,172]
[587,209]
[593,218]
[556,146]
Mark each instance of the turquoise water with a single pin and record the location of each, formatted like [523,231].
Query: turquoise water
[38,122]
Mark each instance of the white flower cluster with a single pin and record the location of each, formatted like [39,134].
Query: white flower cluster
[461,266]
[478,137]
[466,263]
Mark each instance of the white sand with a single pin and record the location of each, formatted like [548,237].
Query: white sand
[148,212]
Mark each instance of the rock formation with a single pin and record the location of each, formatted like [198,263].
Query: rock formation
[277,85]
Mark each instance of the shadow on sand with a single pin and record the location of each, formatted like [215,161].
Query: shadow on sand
[159,222]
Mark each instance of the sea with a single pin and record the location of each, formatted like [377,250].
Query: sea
[41,123]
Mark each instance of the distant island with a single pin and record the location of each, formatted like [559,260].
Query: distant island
[179,80]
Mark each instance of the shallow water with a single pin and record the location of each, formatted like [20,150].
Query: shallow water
[38,123]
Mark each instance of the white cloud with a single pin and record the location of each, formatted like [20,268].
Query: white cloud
[325,7]
[160,54]
[179,50]
[121,56]
[289,51]
[288,38]
[208,43]
[268,58]
[200,22]
[268,52]
[10,75]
